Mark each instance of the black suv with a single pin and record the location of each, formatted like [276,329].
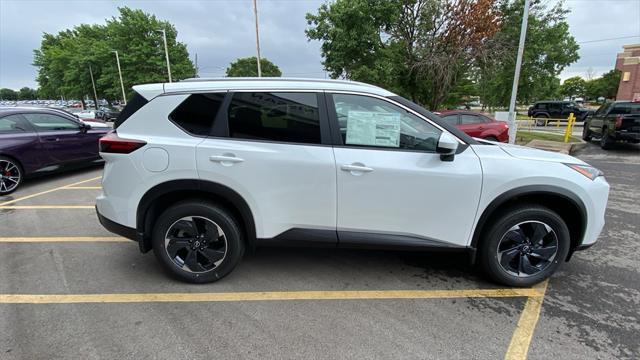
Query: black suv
[614,121]
[542,111]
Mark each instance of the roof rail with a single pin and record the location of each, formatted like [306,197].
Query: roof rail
[276,79]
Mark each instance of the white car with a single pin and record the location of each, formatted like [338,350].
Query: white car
[200,170]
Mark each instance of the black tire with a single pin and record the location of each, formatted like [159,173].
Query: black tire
[202,214]
[606,142]
[586,134]
[491,138]
[11,175]
[541,120]
[501,232]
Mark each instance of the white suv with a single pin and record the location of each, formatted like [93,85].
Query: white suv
[201,170]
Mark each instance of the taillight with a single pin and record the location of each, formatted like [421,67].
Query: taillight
[112,143]
[619,122]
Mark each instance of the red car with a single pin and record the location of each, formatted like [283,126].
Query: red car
[477,125]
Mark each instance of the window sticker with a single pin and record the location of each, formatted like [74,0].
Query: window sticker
[373,128]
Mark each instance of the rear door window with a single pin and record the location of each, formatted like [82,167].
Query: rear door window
[196,114]
[451,119]
[625,109]
[49,122]
[468,119]
[275,116]
[12,124]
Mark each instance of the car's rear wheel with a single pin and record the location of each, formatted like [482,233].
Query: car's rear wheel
[605,141]
[197,241]
[11,175]
[524,246]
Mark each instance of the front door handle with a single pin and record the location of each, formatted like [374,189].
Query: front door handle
[356,168]
[51,139]
[226,159]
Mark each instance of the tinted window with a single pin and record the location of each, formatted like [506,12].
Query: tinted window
[134,104]
[196,114]
[10,124]
[467,119]
[281,116]
[48,122]
[367,121]
[625,109]
[451,119]
[541,106]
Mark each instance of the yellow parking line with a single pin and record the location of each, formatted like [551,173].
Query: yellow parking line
[38,207]
[521,339]
[263,296]
[47,191]
[82,188]
[63,239]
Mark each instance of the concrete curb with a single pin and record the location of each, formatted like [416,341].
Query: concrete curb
[564,148]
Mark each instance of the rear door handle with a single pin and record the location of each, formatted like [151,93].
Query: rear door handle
[356,168]
[226,159]
[51,139]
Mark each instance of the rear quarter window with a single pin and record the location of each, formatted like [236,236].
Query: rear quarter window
[197,113]
[134,104]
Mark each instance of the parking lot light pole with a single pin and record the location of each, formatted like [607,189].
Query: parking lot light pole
[124,97]
[166,51]
[93,83]
[255,13]
[516,77]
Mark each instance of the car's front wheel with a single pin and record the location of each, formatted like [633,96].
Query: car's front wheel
[197,241]
[10,175]
[524,245]
[586,134]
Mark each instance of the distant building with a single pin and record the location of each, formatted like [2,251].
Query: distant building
[628,62]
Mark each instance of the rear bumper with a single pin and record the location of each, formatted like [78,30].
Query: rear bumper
[623,135]
[118,229]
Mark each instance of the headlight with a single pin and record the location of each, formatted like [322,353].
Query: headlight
[586,170]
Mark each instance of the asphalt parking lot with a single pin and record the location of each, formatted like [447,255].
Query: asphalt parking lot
[71,290]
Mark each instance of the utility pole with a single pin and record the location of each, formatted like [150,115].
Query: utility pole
[255,13]
[516,77]
[166,52]
[196,64]
[95,94]
[124,97]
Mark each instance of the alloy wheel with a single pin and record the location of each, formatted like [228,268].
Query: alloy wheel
[196,244]
[527,248]
[9,176]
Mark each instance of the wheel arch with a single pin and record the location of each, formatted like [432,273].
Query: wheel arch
[564,202]
[159,197]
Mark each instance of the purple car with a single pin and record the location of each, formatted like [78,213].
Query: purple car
[39,140]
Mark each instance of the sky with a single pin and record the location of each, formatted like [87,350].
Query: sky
[222,31]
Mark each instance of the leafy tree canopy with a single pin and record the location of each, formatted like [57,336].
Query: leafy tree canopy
[429,50]
[8,94]
[63,60]
[574,86]
[248,67]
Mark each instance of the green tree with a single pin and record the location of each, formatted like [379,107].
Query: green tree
[574,86]
[421,49]
[549,48]
[605,86]
[248,67]
[8,94]
[63,60]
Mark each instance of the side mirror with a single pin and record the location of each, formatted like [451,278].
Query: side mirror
[84,127]
[447,146]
